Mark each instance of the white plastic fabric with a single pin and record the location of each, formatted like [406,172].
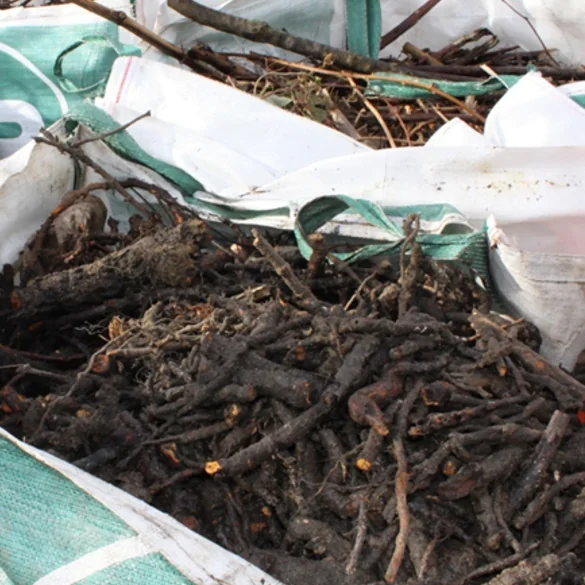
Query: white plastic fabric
[538,261]
[28,194]
[513,183]
[539,269]
[534,113]
[229,140]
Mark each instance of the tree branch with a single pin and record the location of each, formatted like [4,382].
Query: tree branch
[124,21]
[262,32]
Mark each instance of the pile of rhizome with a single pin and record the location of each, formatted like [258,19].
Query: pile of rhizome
[331,423]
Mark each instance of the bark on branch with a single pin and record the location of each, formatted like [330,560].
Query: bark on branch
[262,32]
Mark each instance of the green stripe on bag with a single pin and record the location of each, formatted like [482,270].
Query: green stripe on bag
[364,27]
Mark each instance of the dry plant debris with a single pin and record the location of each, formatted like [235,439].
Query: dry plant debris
[365,425]
[402,434]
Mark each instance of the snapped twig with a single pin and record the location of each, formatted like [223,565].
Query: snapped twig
[284,270]
[78,154]
[360,538]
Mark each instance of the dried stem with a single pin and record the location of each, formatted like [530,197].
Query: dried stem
[525,18]
[407,23]
[78,143]
[360,538]
[402,510]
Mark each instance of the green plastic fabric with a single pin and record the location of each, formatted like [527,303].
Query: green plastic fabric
[47,522]
[124,145]
[469,248]
[108,44]
[397,86]
[27,68]
[364,27]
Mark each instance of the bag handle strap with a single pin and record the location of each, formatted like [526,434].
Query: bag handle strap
[448,241]
[100,41]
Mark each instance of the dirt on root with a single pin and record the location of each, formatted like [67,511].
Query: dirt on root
[349,424]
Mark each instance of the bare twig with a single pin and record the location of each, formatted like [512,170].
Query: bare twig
[409,273]
[283,269]
[78,154]
[23,370]
[123,20]
[79,143]
[538,506]
[532,477]
[499,564]
[360,537]
[197,59]
[339,118]
[413,232]
[358,291]
[179,212]
[498,512]
[528,572]
[407,23]
[413,50]
[402,510]
[80,376]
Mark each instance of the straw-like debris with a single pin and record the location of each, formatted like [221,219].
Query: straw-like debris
[336,88]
